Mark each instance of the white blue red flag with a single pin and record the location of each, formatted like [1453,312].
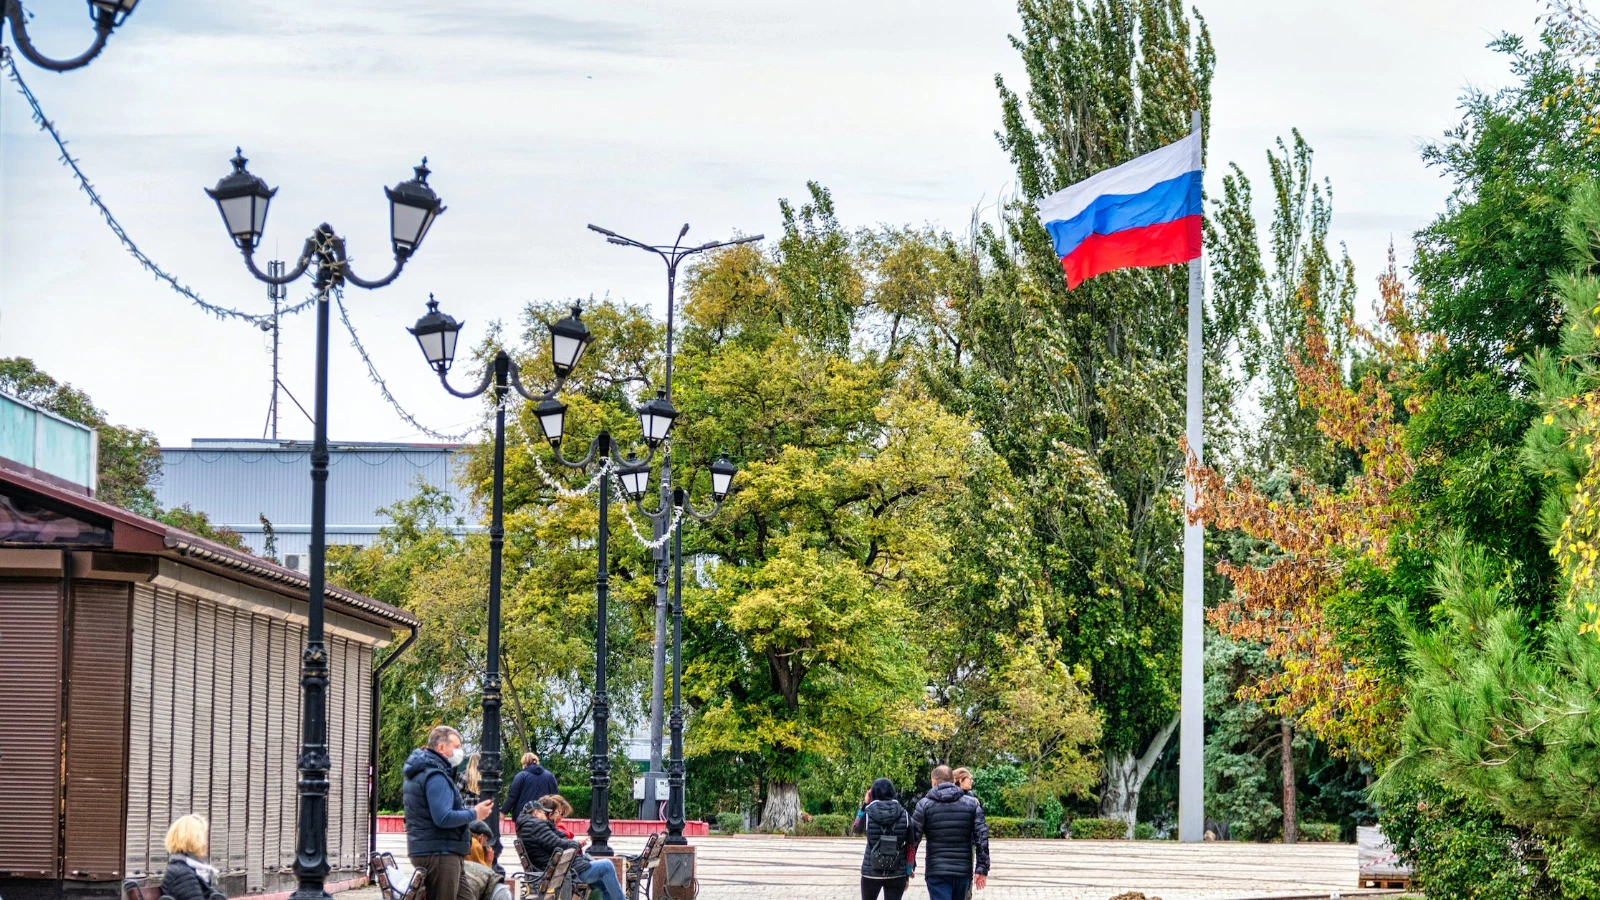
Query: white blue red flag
[1145,212]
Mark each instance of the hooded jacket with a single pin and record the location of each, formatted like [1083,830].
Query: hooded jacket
[541,840]
[436,819]
[530,784]
[952,823]
[880,818]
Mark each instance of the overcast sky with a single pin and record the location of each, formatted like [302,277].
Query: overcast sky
[538,117]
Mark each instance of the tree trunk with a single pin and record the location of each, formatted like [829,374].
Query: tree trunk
[781,812]
[1291,823]
[1124,778]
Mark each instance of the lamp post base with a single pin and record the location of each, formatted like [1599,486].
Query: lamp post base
[675,880]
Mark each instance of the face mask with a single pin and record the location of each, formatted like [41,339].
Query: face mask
[457,756]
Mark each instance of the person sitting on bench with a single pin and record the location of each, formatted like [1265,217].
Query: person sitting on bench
[541,840]
[479,880]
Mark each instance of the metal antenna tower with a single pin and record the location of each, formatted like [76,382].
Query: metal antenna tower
[276,292]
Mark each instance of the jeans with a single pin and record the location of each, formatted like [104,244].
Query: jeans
[892,888]
[946,888]
[601,874]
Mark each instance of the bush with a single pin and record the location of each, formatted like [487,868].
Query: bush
[1052,813]
[1099,829]
[989,785]
[730,822]
[1322,832]
[826,825]
[1144,831]
[579,798]
[1012,827]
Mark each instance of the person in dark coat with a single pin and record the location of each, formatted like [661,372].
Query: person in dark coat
[436,817]
[951,821]
[887,825]
[541,841]
[188,877]
[528,785]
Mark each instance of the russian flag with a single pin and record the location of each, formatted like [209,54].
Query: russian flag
[1145,212]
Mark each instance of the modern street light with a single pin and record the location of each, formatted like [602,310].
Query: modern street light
[662,415]
[569,338]
[242,199]
[722,473]
[107,15]
[436,334]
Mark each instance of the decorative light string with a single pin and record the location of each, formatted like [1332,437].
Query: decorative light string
[383,386]
[48,127]
[567,493]
[677,516]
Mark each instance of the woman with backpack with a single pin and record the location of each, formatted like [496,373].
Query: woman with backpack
[884,867]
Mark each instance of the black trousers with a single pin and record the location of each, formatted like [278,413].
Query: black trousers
[893,889]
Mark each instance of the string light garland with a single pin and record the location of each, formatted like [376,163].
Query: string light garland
[49,128]
[383,386]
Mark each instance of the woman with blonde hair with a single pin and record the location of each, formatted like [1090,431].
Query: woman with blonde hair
[468,780]
[188,877]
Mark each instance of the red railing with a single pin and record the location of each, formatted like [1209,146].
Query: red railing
[619,827]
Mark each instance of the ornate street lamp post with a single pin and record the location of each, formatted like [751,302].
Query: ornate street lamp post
[436,334]
[107,15]
[673,256]
[242,199]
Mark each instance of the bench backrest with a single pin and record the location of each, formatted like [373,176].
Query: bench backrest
[417,889]
[522,856]
[555,875]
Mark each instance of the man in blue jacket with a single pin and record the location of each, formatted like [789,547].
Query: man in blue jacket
[437,839]
[533,782]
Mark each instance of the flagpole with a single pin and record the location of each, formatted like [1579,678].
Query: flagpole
[1191,751]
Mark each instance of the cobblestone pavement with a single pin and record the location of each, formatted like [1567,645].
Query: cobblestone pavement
[756,867]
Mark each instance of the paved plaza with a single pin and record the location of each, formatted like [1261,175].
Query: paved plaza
[762,866]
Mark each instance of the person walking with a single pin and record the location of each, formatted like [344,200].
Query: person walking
[887,825]
[952,823]
[188,876]
[436,818]
[542,841]
[533,782]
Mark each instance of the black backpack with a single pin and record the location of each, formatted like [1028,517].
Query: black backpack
[887,856]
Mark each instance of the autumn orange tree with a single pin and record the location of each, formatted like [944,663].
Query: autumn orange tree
[1309,534]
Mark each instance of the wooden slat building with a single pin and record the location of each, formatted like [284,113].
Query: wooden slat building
[146,673]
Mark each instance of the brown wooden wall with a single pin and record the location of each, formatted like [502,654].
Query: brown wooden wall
[30,706]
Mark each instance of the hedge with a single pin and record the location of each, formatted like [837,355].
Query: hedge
[1144,831]
[1099,829]
[1324,832]
[1010,827]
[730,822]
[826,825]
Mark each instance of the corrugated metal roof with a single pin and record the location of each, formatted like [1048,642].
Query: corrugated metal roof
[236,482]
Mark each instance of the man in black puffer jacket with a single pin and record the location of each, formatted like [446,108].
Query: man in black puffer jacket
[952,823]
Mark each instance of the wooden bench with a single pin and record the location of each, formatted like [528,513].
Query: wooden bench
[414,890]
[642,868]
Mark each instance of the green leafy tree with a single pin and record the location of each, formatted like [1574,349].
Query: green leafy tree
[1049,728]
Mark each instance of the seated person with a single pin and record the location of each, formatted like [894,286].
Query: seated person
[479,880]
[562,809]
[542,842]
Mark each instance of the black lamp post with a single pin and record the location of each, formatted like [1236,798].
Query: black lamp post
[242,198]
[107,15]
[635,482]
[674,255]
[436,334]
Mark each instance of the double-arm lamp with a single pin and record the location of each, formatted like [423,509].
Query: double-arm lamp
[242,199]
[107,15]
[437,335]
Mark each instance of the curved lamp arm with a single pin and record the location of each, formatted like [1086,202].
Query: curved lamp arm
[488,375]
[688,508]
[400,258]
[516,382]
[19,29]
[306,253]
[594,450]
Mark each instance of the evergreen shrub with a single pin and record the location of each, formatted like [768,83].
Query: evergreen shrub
[1012,827]
[730,822]
[826,825]
[1320,832]
[1099,829]
[1144,831]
